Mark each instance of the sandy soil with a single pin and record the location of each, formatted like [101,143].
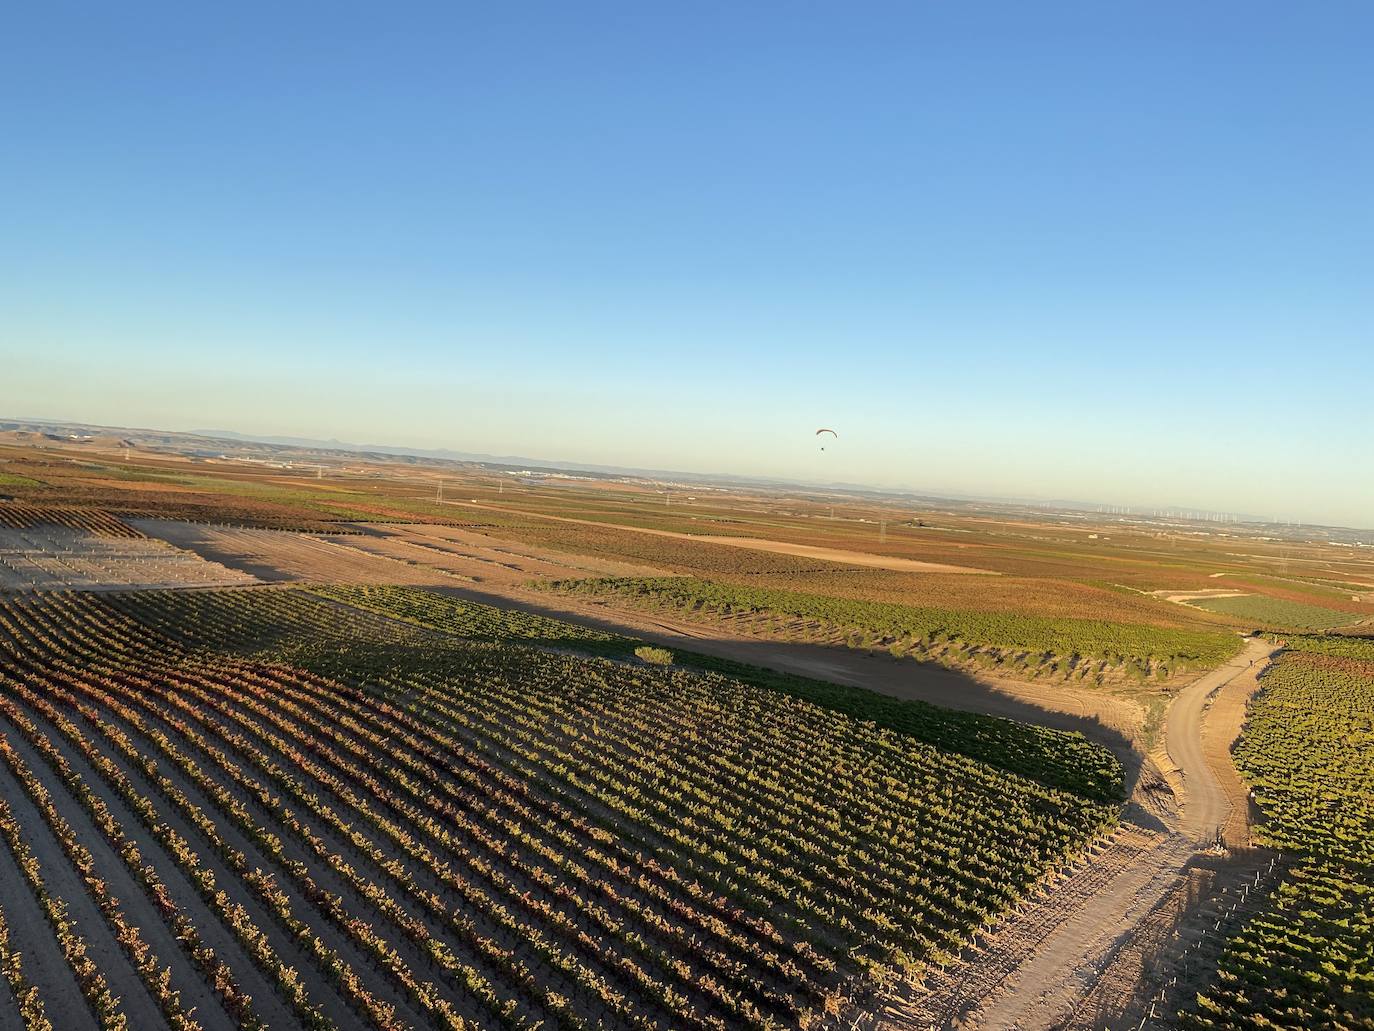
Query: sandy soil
[849,558]
[1208,802]
[276,556]
[1170,956]
[1183,597]
[1032,936]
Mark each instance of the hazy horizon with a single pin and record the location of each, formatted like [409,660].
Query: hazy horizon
[1061,252]
[992,496]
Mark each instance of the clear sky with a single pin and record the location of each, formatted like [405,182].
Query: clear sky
[1112,251]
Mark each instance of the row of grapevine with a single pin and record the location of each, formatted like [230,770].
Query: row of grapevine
[103,1004]
[474,621]
[259,621]
[1308,752]
[1264,610]
[51,678]
[1033,644]
[246,621]
[155,975]
[32,1012]
[584,943]
[16,516]
[216,972]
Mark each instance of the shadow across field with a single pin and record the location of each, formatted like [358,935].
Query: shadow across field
[199,540]
[1095,715]
[841,678]
[1164,961]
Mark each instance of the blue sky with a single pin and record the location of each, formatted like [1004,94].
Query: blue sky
[1118,252]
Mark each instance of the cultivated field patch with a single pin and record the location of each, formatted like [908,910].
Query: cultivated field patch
[382,826]
[1278,612]
[1009,642]
[45,556]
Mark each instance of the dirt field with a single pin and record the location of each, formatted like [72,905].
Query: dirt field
[1168,958]
[54,557]
[957,996]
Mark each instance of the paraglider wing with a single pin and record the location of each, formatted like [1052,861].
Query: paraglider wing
[831,432]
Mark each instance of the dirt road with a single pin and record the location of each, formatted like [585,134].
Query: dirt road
[1206,805]
[1061,968]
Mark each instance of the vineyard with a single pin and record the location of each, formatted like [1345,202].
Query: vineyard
[361,808]
[47,556]
[96,521]
[1278,612]
[1333,645]
[1025,645]
[476,621]
[295,624]
[1308,752]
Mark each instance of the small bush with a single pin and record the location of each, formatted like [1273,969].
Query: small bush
[656,656]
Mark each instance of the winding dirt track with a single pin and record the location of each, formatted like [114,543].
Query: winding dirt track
[1060,968]
[1206,805]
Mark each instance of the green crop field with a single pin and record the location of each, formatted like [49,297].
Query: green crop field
[1279,612]
[1308,752]
[475,621]
[1330,644]
[1064,647]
